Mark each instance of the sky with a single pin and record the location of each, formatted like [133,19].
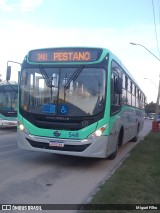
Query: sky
[112,24]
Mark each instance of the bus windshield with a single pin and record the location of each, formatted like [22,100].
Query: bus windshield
[63,91]
[8,97]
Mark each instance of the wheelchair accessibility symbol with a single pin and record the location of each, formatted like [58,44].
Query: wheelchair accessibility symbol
[63,109]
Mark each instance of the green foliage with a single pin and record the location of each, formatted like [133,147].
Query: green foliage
[150,108]
[137,180]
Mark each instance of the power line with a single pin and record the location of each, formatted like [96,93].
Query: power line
[155,28]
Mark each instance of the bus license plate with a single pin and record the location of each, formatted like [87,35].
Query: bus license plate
[56,143]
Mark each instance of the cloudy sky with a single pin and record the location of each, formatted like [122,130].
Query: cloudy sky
[113,24]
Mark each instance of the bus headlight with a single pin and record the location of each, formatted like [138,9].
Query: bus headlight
[98,132]
[22,128]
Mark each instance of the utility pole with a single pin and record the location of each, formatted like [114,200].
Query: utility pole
[157,103]
[155,124]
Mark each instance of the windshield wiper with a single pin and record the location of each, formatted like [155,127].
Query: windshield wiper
[14,90]
[45,76]
[74,76]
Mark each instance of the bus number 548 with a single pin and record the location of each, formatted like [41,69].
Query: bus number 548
[73,135]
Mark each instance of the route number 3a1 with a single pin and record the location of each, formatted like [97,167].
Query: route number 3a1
[73,135]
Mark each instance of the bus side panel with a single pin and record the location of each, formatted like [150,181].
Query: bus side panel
[126,121]
[130,123]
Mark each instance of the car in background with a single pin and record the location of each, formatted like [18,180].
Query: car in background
[151,116]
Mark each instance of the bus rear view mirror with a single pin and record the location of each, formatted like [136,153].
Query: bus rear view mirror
[118,88]
[8,74]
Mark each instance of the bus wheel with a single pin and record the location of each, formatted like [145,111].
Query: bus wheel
[120,138]
[114,154]
[135,139]
[119,143]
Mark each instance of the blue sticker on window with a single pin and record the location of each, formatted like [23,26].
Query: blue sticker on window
[49,108]
[63,109]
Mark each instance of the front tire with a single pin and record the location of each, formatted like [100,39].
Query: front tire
[119,143]
[113,155]
[135,139]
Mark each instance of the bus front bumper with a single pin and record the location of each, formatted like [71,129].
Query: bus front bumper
[84,148]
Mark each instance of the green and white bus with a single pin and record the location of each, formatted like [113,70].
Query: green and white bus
[8,103]
[77,101]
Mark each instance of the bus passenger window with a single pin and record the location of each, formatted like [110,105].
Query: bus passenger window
[124,95]
[115,98]
[126,82]
[137,102]
[133,95]
[129,96]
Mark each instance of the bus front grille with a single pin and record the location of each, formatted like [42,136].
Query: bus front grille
[71,148]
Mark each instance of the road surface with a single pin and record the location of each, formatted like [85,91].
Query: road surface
[40,178]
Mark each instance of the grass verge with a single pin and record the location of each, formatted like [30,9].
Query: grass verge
[137,181]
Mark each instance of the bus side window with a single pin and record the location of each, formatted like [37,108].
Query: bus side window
[133,95]
[115,98]
[124,94]
[137,97]
[129,97]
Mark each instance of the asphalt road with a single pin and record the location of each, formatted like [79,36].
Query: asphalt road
[40,178]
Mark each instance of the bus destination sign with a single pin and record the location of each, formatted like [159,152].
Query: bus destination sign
[64,55]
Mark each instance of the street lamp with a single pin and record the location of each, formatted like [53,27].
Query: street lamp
[8,73]
[146,49]
[155,124]
[151,82]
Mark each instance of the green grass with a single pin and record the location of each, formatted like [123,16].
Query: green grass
[137,181]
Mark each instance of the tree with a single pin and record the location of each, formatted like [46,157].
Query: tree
[150,108]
